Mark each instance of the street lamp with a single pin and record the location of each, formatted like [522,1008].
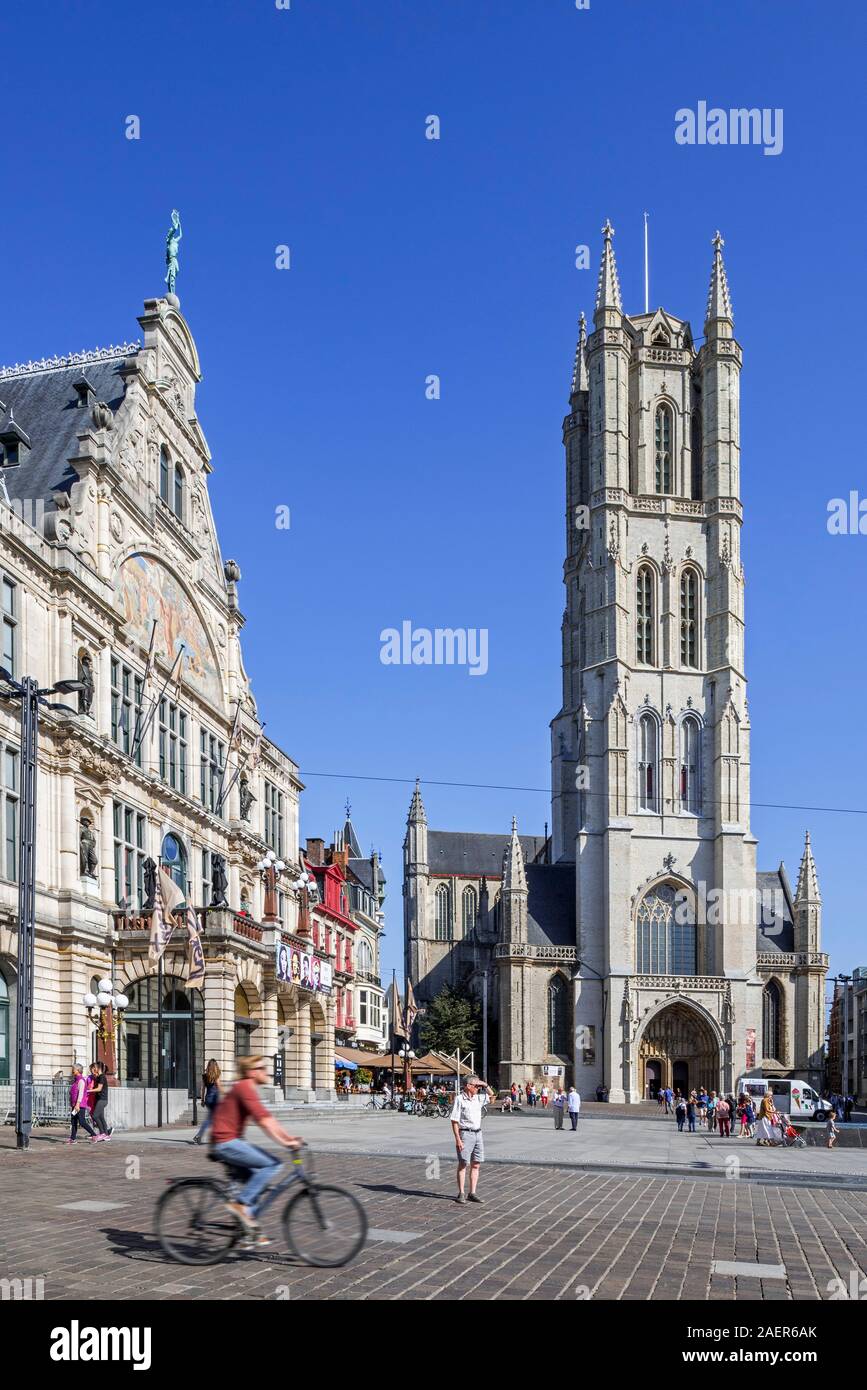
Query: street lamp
[270,867]
[406,1054]
[31,696]
[102,1009]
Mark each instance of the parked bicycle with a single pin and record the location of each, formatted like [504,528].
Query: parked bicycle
[322,1225]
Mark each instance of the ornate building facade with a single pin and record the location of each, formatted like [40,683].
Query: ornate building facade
[638,946]
[111,571]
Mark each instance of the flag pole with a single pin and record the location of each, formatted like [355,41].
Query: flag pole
[391,1020]
[238,770]
[646,271]
[147,676]
[143,732]
[225,764]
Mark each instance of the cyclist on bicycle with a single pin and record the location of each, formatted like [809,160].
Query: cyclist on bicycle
[227,1137]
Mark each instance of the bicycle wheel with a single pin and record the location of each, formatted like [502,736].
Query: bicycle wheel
[324,1226]
[193,1224]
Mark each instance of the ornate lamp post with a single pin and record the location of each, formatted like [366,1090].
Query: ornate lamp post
[270,867]
[105,1009]
[406,1054]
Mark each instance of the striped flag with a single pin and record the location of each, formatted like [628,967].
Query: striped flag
[169,899]
[411,1010]
[196,963]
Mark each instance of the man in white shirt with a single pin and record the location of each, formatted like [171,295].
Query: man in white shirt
[573,1104]
[466,1118]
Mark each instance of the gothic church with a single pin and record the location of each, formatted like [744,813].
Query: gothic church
[637,946]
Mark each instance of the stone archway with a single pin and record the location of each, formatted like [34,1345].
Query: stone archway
[679,1048]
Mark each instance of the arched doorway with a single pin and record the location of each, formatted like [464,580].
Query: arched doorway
[141,1048]
[678,1048]
[652,1078]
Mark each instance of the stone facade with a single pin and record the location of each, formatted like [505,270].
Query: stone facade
[643,917]
[108,550]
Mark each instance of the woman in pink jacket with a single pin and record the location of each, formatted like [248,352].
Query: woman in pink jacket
[80,1113]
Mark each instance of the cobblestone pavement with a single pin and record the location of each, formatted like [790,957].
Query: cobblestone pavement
[543,1232]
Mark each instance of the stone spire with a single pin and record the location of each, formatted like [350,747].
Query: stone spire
[514,873]
[719,304]
[807,890]
[608,284]
[416,807]
[580,377]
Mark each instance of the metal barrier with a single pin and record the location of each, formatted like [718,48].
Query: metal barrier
[50,1102]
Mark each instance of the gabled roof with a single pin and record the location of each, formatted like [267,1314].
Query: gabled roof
[474,855]
[775,925]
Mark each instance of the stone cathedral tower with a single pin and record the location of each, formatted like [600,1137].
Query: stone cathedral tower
[638,946]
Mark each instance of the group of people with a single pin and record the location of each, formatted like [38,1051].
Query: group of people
[88,1097]
[719,1114]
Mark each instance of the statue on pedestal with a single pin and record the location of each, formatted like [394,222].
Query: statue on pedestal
[246,796]
[149,877]
[173,236]
[85,675]
[88,862]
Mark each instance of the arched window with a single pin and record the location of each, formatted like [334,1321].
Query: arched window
[697,444]
[178,504]
[140,1046]
[772,1012]
[559,1031]
[662,448]
[648,763]
[690,766]
[365,958]
[665,940]
[469,911]
[174,860]
[689,618]
[165,469]
[443,925]
[644,616]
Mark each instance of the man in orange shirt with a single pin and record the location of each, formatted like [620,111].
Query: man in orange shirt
[227,1136]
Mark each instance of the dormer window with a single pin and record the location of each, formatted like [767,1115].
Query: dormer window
[660,336]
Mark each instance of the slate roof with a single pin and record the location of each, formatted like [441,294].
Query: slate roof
[551,904]
[775,923]
[473,855]
[364,872]
[47,407]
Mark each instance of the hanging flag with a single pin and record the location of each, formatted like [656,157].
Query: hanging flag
[196,963]
[255,751]
[411,1010]
[169,899]
[396,1012]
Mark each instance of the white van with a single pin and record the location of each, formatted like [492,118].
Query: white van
[793,1098]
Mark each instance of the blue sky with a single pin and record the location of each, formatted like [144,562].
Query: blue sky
[409,257]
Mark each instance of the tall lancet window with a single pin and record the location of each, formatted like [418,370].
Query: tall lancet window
[690,766]
[771,1022]
[644,616]
[665,935]
[469,911]
[697,442]
[443,920]
[648,763]
[164,476]
[559,1030]
[662,444]
[688,618]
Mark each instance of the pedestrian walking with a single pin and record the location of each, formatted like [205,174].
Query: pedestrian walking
[532,1096]
[573,1105]
[669,1099]
[831,1130]
[99,1100]
[691,1108]
[78,1111]
[723,1115]
[527,1089]
[848,1107]
[212,1093]
[711,1111]
[558,1103]
[543,1095]
[466,1118]
[680,1113]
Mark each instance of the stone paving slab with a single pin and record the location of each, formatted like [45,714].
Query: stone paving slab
[542,1234]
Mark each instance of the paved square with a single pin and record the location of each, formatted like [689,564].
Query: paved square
[544,1231]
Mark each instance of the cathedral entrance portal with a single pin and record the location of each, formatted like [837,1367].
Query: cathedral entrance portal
[678,1049]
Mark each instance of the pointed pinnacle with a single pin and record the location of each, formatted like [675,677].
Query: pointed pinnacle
[808,879]
[719,304]
[580,377]
[416,807]
[608,284]
[514,876]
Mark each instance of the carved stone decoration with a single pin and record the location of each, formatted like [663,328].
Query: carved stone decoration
[87,858]
[102,416]
[667,561]
[613,543]
[116,526]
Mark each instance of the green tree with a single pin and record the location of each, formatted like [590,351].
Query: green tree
[451,1022]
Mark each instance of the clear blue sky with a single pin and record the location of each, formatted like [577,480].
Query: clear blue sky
[411,257]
